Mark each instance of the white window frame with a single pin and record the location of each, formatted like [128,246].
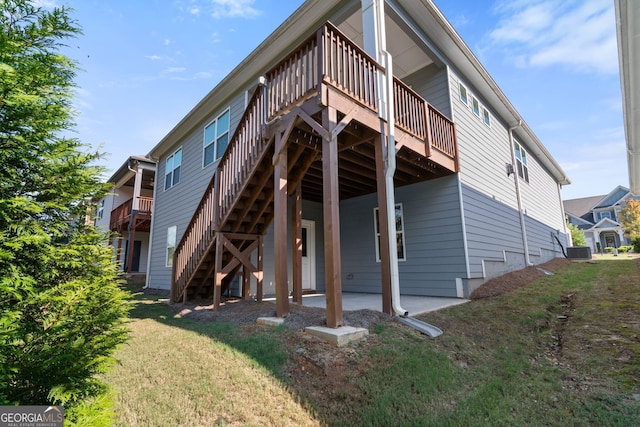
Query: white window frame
[171,172]
[475,106]
[100,210]
[213,143]
[521,161]
[400,233]
[171,245]
[486,117]
[605,214]
[463,90]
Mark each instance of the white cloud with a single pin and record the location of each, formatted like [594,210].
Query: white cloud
[172,70]
[159,58]
[577,34]
[47,4]
[234,9]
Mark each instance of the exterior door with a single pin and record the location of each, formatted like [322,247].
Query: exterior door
[308,255]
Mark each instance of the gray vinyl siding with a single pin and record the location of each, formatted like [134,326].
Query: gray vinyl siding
[176,205]
[494,237]
[493,233]
[484,151]
[542,244]
[431,83]
[541,197]
[433,238]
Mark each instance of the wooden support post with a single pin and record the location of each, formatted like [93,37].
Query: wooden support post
[260,273]
[383,219]
[246,282]
[331,205]
[297,244]
[217,272]
[280,231]
[130,245]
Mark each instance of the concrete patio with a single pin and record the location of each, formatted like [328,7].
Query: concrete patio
[358,301]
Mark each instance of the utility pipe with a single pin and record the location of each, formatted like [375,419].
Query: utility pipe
[523,226]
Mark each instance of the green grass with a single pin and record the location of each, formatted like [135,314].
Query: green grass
[508,360]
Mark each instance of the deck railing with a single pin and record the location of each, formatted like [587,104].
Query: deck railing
[122,213]
[347,67]
[327,57]
[145,204]
[442,133]
[417,117]
[245,148]
[410,110]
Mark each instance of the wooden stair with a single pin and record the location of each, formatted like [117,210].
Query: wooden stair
[285,119]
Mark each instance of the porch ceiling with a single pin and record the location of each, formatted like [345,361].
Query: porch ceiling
[148,180]
[407,55]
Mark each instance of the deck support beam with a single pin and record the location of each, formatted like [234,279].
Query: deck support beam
[130,244]
[297,243]
[330,206]
[383,226]
[218,274]
[280,226]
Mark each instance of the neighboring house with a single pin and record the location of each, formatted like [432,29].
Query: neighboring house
[127,212]
[316,166]
[598,218]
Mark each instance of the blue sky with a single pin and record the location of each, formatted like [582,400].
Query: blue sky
[145,64]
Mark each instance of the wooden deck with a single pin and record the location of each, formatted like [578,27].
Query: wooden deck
[314,132]
[122,216]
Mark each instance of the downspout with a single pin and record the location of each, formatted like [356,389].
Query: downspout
[147,283]
[390,167]
[523,226]
[388,177]
[125,264]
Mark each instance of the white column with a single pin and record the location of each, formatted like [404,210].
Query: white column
[137,186]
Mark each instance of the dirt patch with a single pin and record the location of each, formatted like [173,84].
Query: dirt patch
[248,311]
[516,279]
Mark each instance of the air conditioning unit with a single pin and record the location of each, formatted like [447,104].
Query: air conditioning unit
[579,252]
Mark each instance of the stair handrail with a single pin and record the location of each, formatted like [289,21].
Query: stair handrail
[219,195]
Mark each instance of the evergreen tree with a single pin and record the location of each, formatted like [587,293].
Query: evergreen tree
[62,311]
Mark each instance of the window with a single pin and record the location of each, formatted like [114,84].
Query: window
[216,138]
[172,169]
[486,117]
[100,211]
[399,232]
[475,105]
[463,94]
[171,244]
[521,160]
[605,214]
